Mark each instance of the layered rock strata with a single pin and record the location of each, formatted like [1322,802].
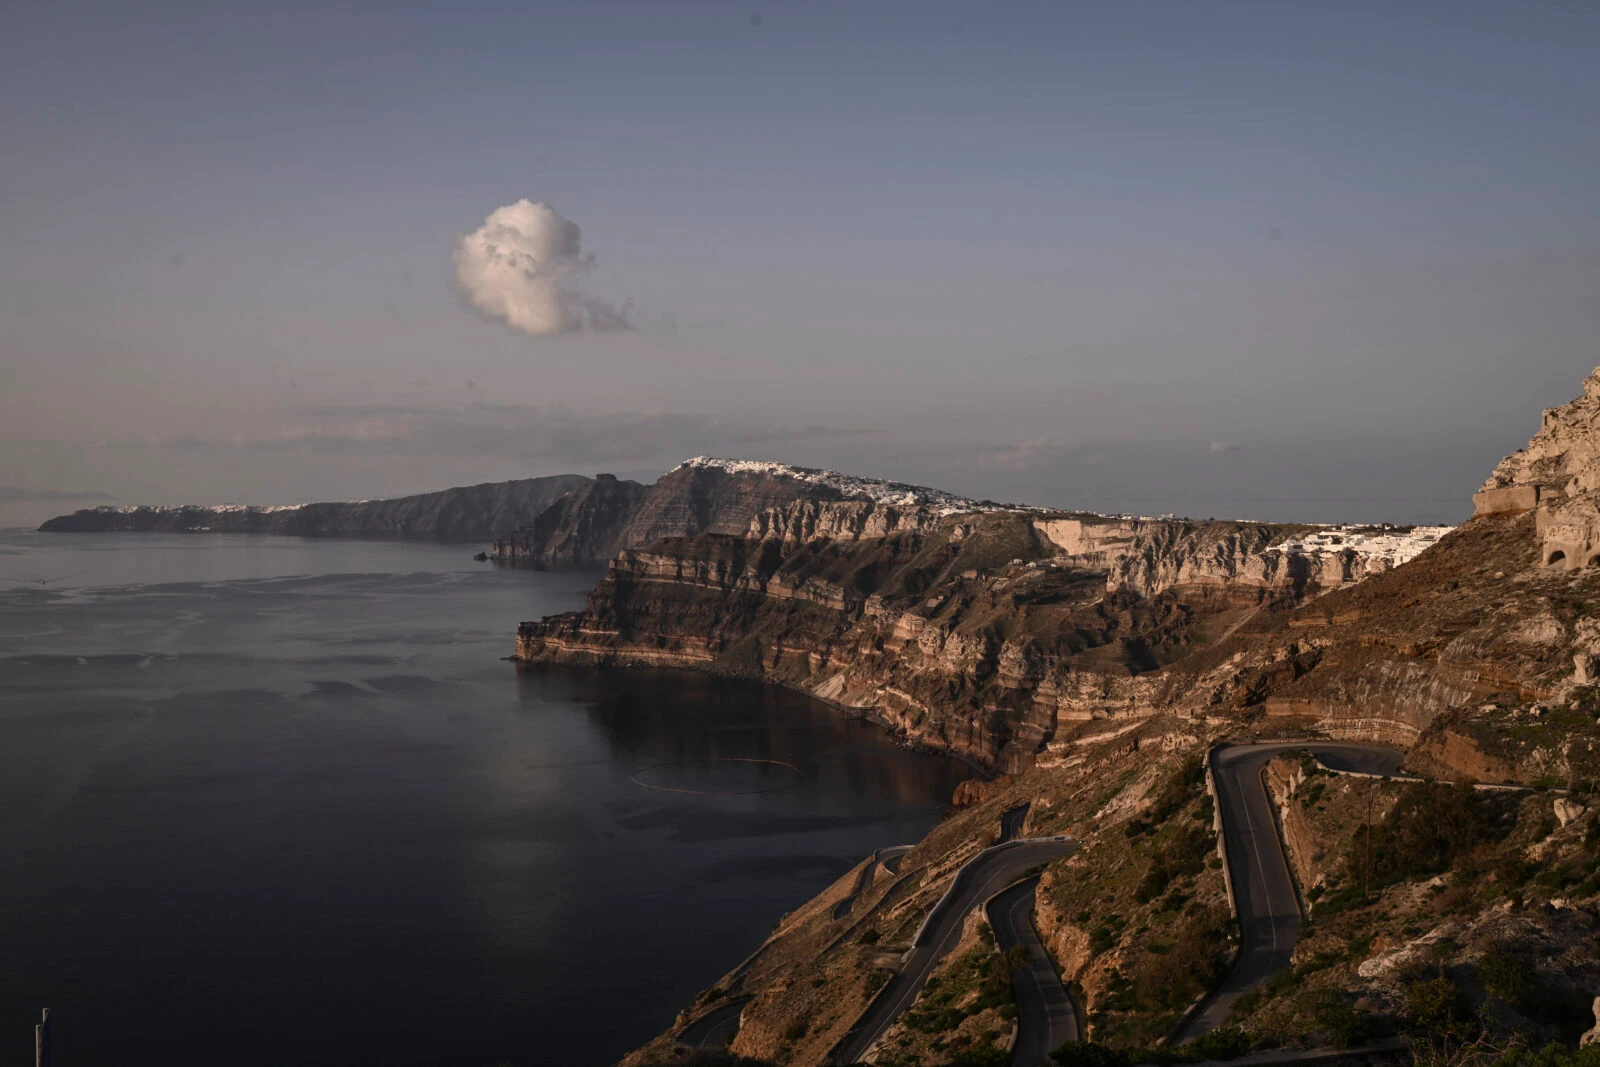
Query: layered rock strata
[588,527]
[981,634]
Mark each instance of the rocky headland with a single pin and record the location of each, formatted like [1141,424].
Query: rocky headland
[589,527]
[466,513]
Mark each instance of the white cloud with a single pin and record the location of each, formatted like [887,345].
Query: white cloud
[523,266]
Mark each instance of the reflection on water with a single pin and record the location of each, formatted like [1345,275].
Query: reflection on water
[295,807]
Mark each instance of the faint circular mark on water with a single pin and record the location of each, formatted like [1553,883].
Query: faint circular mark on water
[722,776]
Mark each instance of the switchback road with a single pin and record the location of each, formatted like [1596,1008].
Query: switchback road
[983,876]
[1045,1014]
[1263,889]
[886,856]
[716,1027]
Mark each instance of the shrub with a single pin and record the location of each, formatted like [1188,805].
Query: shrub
[1344,1025]
[1482,1054]
[713,1058]
[1173,978]
[1439,1007]
[1089,1054]
[980,1056]
[1551,880]
[1428,827]
[1177,789]
[1223,1043]
[1183,854]
[1508,978]
[1512,871]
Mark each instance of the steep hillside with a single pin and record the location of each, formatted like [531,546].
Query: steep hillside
[466,513]
[700,495]
[1469,655]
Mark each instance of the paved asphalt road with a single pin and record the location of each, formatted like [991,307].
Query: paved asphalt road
[716,1027]
[894,853]
[1269,909]
[983,876]
[1045,1015]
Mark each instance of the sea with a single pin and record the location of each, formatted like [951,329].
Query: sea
[281,801]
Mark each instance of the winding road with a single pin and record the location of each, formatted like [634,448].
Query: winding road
[1264,894]
[716,1027]
[1267,903]
[1045,1014]
[869,870]
[985,875]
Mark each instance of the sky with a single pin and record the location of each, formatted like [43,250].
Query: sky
[1296,261]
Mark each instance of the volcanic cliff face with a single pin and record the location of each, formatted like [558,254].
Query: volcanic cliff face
[590,526]
[978,633]
[467,513]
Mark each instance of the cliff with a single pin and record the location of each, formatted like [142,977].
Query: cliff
[982,633]
[1563,457]
[467,513]
[701,495]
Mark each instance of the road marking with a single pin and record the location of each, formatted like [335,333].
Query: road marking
[1262,871]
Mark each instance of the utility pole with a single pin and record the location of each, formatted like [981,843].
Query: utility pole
[41,1040]
[1366,889]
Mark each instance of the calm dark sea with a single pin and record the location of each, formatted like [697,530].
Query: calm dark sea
[272,801]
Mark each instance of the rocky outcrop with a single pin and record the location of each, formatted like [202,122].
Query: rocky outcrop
[1557,473]
[840,520]
[466,513]
[757,499]
[1563,458]
[591,526]
[584,525]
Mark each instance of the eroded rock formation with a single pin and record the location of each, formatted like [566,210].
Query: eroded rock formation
[590,526]
[981,634]
[1558,475]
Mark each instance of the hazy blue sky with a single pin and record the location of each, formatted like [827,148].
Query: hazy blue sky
[1286,260]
